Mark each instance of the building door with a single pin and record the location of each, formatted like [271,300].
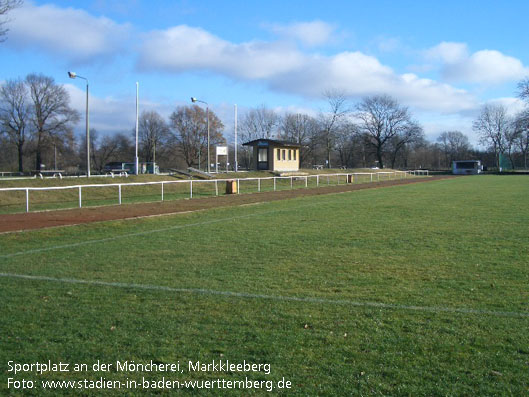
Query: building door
[262,159]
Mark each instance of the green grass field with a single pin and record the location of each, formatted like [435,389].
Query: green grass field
[417,290]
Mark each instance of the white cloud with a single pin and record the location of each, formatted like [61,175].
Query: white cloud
[513,105]
[184,48]
[448,52]
[107,115]
[485,66]
[285,68]
[72,33]
[311,34]
[435,124]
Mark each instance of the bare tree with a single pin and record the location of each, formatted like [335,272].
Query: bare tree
[493,125]
[14,115]
[257,123]
[521,134]
[410,133]
[303,130]
[346,142]
[6,156]
[454,144]
[188,126]
[523,87]
[51,112]
[153,132]
[382,119]
[418,144]
[5,7]
[107,148]
[331,120]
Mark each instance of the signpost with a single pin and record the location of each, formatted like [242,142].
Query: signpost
[221,151]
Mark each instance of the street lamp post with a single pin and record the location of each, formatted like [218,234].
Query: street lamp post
[74,75]
[207,122]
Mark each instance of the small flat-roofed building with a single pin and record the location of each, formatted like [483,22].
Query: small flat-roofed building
[467,167]
[273,155]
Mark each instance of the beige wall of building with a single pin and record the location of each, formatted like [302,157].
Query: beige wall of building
[284,159]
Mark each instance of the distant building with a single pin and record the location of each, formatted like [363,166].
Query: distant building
[144,168]
[467,167]
[272,155]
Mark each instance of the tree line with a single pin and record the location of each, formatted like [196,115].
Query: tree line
[37,131]
[506,136]
[37,124]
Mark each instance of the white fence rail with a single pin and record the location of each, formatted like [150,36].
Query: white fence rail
[320,179]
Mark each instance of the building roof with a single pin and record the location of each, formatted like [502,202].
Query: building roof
[267,142]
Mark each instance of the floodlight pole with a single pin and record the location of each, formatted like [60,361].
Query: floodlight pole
[74,75]
[207,122]
[235,128]
[136,160]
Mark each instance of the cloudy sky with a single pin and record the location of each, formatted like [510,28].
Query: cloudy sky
[442,59]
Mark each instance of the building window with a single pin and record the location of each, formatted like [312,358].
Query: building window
[289,155]
[295,151]
[278,154]
[263,154]
[284,154]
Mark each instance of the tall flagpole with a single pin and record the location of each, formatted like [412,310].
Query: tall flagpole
[136,160]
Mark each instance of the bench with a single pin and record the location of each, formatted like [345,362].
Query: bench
[52,173]
[118,171]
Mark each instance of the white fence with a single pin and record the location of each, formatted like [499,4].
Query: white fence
[315,180]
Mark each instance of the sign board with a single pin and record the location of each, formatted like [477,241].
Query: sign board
[222,150]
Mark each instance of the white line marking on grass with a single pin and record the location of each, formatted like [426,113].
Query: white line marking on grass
[165,229]
[344,302]
[103,240]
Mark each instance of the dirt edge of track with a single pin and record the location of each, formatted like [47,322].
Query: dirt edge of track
[40,220]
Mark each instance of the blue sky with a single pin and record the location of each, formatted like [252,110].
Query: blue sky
[442,59]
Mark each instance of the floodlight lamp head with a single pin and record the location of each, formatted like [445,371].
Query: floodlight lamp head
[193,99]
[72,75]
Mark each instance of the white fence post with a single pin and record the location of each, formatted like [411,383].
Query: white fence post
[274,183]
[162,191]
[216,187]
[291,182]
[80,198]
[119,194]
[317,180]
[27,200]
[191,189]
[258,184]
[238,186]
[306,181]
